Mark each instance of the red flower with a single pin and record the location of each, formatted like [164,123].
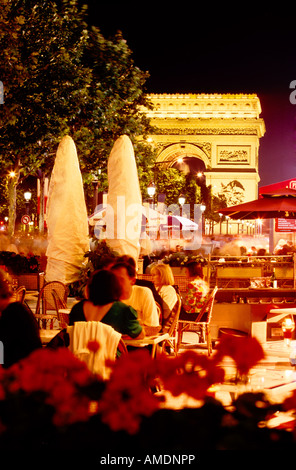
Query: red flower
[93,346]
[129,389]
[59,374]
[190,373]
[127,396]
[246,351]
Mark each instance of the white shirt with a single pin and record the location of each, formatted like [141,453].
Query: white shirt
[143,302]
[169,298]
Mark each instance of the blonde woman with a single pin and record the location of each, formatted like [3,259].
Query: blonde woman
[163,279]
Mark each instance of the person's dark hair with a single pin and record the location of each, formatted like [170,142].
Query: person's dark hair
[103,287]
[131,270]
[106,262]
[194,269]
[127,259]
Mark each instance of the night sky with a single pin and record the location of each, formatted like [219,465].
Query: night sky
[194,49]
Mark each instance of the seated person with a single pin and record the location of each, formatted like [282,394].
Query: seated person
[142,282]
[163,280]
[19,330]
[140,298]
[196,293]
[102,303]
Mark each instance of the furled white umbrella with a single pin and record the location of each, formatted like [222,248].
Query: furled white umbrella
[124,201]
[66,217]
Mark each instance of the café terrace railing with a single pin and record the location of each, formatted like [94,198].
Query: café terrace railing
[223,271]
[239,271]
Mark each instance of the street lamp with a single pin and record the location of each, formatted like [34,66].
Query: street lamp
[151,190]
[181,199]
[27,196]
[96,184]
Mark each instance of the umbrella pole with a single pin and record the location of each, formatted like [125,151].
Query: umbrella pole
[271,235]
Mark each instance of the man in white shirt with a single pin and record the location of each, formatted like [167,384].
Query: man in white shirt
[138,297]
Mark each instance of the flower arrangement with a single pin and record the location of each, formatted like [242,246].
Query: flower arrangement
[19,264]
[96,258]
[51,399]
[181,259]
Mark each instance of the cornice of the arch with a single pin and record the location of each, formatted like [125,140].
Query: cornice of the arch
[169,153]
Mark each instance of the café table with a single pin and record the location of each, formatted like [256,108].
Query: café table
[287,311]
[46,335]
[279,314]
[276,385]
[153,340]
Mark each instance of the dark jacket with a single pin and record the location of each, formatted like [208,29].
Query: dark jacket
[19,333]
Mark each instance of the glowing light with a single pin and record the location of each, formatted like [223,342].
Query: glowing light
[151,189]
[181,200]
[27,196]
[12,174]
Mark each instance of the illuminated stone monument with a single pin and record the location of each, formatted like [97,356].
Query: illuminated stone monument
[216,136]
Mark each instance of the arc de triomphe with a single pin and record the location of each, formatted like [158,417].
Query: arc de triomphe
[216,134]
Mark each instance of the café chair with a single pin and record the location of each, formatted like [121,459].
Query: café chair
[171,327]
[159,340]
[46,302]
[159,311]
[63,313]
[19,294]
[109,340]
[201,322]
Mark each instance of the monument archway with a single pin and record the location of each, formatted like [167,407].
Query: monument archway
[218,134]
[187,158]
